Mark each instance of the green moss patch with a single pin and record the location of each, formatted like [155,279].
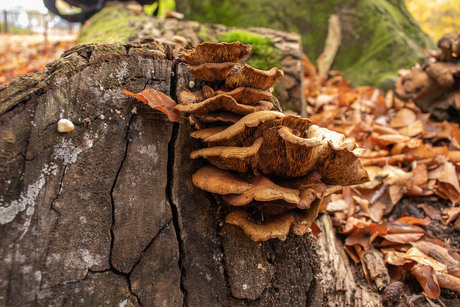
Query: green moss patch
[263,55]
[110,25]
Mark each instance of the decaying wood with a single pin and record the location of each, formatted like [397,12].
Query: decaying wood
[340,287]
[108,214]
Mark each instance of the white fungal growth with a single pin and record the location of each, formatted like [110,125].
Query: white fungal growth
[191,84]
[65,125]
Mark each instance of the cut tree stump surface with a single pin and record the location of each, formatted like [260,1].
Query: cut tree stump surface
[107,214]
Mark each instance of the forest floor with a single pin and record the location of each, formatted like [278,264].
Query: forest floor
[22,54]
[409,209]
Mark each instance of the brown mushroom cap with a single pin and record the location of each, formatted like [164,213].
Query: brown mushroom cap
[240,159]
[250,127]
[211,71]
[304,218]
[310,194]
[278,227]
[281,153]
[247,95]
[237,132]
[217,181]
[204,133]
[331,154]
[223,102]
[225,117]
[252,77]
[274,207]
[443,73]
[217,53]
[265,190]
[339,162]
[188,97]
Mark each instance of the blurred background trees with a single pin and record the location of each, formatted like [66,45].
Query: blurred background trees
[436,17]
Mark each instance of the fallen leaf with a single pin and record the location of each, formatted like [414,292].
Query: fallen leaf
[403,233]
[448,281]
[361,237]
[413,129]
[448,186]
[449,214]
[414,221]
[426,276]
[403,118]
[441,254]
[430,211]
[418,256]
[158,101]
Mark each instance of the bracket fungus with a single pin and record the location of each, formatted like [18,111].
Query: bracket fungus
[275,168]
[211,71]
[217,53]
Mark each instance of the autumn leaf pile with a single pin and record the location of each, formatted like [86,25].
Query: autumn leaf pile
[408,157]
[23,54]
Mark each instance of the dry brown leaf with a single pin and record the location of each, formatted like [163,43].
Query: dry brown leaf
[448,281]
[426,276]
[430,211]
[158,101]
[403,233]
[413,129]
[403,118]
[448,185]
[418,256]
[441,254]
[360,237]
[450,214]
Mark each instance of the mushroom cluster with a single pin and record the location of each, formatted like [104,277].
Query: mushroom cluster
[275,168]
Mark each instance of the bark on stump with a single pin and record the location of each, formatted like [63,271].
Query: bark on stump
[107,213]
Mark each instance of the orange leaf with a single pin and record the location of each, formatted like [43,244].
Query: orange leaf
[360,237]
[414,221]
[158,101]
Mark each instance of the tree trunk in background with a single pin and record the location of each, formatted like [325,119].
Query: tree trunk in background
[378,37]
[107,214]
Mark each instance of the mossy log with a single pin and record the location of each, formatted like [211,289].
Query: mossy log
[107,214]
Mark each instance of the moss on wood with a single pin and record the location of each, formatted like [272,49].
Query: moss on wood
[110,25]
[263,55]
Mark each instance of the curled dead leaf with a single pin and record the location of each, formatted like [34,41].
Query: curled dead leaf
[158,101]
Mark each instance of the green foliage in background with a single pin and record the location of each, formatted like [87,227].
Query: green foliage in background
[263,55]
[378,36]
[165,5]
[437,17]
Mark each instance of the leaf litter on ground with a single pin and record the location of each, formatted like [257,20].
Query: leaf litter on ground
[408,156]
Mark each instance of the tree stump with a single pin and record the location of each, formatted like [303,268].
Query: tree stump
[107,213]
